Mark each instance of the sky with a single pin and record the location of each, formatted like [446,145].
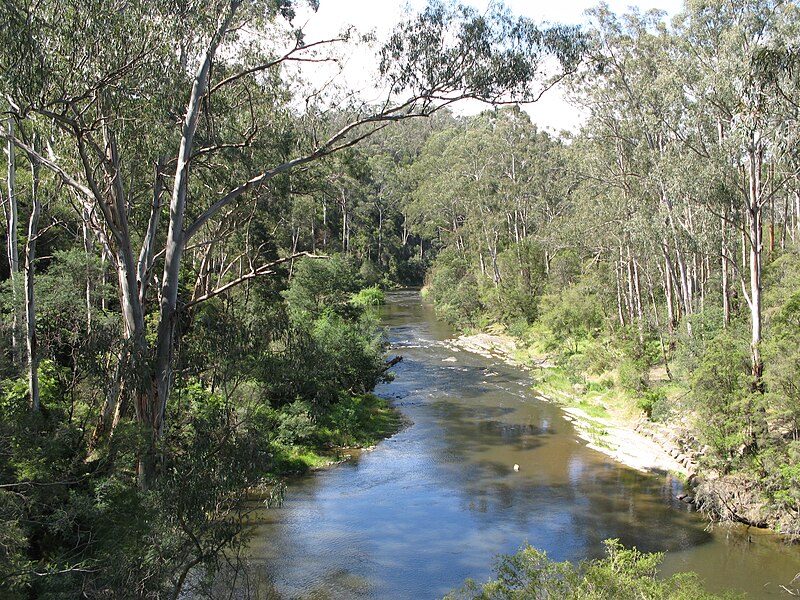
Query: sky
[552,112]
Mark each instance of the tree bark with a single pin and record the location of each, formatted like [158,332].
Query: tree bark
[30,298]
[151,403]
[13,251]
[754,214]
[726,298]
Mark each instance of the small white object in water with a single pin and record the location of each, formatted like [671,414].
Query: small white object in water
[516,467]
[450,359]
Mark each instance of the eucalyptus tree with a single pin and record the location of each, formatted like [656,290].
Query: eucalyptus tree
[723,38]
[627,87]
[136,96]
[11,212]
[492,188]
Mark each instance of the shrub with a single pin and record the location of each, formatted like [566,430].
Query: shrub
[293,424]
[721,389]
[322,286]
[371,296]
[623,573]
[654,404]
[634,374]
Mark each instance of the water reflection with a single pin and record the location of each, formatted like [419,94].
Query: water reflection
[433,505]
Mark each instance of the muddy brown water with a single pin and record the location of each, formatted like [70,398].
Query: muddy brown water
[436,503]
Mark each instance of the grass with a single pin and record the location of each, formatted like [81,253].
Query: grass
[597,411]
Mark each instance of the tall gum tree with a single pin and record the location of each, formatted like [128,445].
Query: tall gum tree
[723,38]
[137,85]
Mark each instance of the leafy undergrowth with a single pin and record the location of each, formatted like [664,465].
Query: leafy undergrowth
[623,573]
[355,422]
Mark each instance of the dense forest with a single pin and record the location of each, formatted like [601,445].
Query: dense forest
[193,242]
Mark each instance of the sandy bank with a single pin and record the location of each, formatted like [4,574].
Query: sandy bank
[617,439]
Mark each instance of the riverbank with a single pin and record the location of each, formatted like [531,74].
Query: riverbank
[611,423]
[355,426]
[626,438]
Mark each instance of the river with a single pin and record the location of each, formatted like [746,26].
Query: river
[434,504]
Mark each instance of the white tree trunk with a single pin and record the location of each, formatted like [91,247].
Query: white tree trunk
[754,214]
[13,252]
[30,298]
[151,404]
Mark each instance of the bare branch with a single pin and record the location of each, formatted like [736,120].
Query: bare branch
[146,254]
[289,56]
[50,165]
[267,269]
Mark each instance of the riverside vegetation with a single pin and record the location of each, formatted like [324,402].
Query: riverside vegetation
[654,255]
[174,334]
[250,409]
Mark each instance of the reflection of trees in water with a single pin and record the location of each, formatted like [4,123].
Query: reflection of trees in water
[573,500]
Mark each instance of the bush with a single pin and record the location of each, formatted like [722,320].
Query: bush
[409,272]
[322,287]
[622,574]
[293,424]
[572,315]
[634,375]
[722,390]
[452,286]
[654,404]
[371,296]
[601,356]
[704,327]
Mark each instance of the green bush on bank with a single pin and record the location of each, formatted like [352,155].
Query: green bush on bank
[371,296]
[301,438]
[624,574]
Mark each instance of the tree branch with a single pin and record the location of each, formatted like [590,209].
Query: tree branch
[266,269]
[289,56]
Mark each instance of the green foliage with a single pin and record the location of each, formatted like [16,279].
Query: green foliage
[782,370]
[371,296]
[321,358]
[572,315]
[602,356]
[517,294]
[301,438]
[359,420]
[455,49]
[722,390]
[695,333]
[452,287]
[409,272]
[74,524]
[15,568]
[623,574]
[321,287]
[781,479]
[634,374]
[294,424]
[655,405]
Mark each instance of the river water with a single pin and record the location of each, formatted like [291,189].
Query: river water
[436,503]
